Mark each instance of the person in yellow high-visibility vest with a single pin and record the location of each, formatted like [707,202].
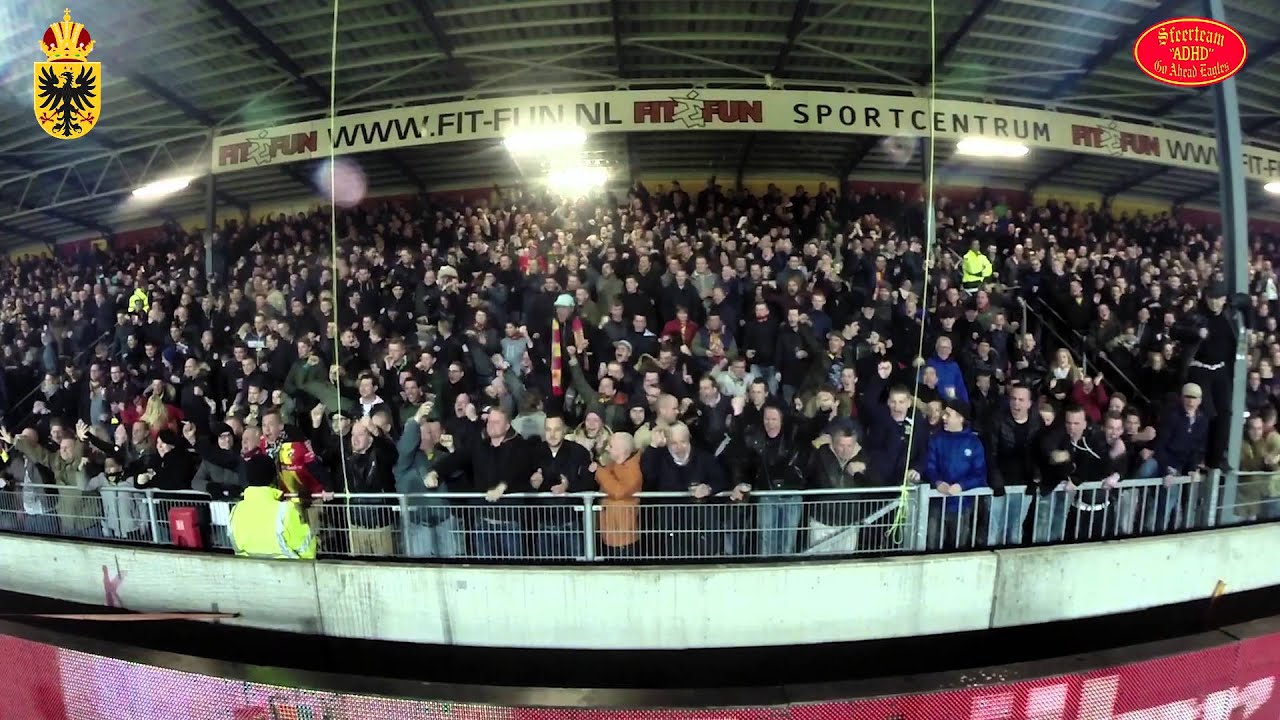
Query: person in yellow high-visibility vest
[139,300]
[263,524]
[975,268]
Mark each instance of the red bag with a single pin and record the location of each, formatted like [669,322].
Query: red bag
[184,528]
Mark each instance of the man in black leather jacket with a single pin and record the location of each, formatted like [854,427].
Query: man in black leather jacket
[773,459]
[848,522]
[1011,465]
[369,469]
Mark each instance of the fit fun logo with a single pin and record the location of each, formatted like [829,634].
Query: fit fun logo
[695,112]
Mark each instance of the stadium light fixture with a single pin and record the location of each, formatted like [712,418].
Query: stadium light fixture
[545,140]
[161,188]
[577,179]
[1272,187]
[986,147]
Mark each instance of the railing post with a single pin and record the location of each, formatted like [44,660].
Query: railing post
[922,517]
[1215,492]
[404,524]
[151,517]
[589,528]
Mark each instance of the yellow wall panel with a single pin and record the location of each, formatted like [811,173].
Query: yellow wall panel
[36,248]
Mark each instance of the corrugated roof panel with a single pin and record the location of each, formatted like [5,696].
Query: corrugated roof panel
[1018,48]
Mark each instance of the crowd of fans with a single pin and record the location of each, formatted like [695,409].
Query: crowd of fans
[712,346]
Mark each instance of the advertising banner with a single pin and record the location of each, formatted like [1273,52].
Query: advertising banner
[718,110]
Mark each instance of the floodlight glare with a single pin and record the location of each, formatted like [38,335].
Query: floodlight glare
[577,180]
[1272,187]
[545,140]
[985,147]
[161,188]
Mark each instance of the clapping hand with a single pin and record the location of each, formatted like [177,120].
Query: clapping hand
[424,411]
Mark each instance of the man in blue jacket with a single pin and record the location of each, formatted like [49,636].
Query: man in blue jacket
[1181,444]
[950,376]
[956,462]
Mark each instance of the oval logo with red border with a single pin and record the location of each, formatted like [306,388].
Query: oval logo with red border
[1190,52]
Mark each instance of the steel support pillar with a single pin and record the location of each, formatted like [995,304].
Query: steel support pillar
[1235,233]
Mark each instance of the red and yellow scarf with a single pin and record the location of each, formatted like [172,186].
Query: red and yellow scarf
[557,349]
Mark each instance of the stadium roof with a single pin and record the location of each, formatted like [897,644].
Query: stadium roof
[175,71]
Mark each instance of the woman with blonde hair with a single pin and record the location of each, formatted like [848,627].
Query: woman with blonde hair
[1062,376]
[1064,367]
[159,415]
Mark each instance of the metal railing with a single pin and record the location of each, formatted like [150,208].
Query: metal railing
[592,528]
[1255,497]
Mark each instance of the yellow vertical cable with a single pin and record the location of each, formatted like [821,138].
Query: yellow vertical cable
[333,249]
[930,232]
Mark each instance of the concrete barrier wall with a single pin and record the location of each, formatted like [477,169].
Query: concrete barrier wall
[656,607]
[659,607]
[1037,585]
[278,596]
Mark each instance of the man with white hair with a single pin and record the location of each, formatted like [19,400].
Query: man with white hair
[674,465]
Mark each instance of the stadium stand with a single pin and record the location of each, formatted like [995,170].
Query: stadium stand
[728,354]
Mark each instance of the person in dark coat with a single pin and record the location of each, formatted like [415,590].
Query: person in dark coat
[560,468]
[673,465]
[500,463]
[841,523]
[369,470]
[172,467]
[1092,514]
[1182,446]
[898,438]
[772,457]
[1209,337]
[1011,467]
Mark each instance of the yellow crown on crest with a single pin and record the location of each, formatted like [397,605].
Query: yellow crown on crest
[66,41]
